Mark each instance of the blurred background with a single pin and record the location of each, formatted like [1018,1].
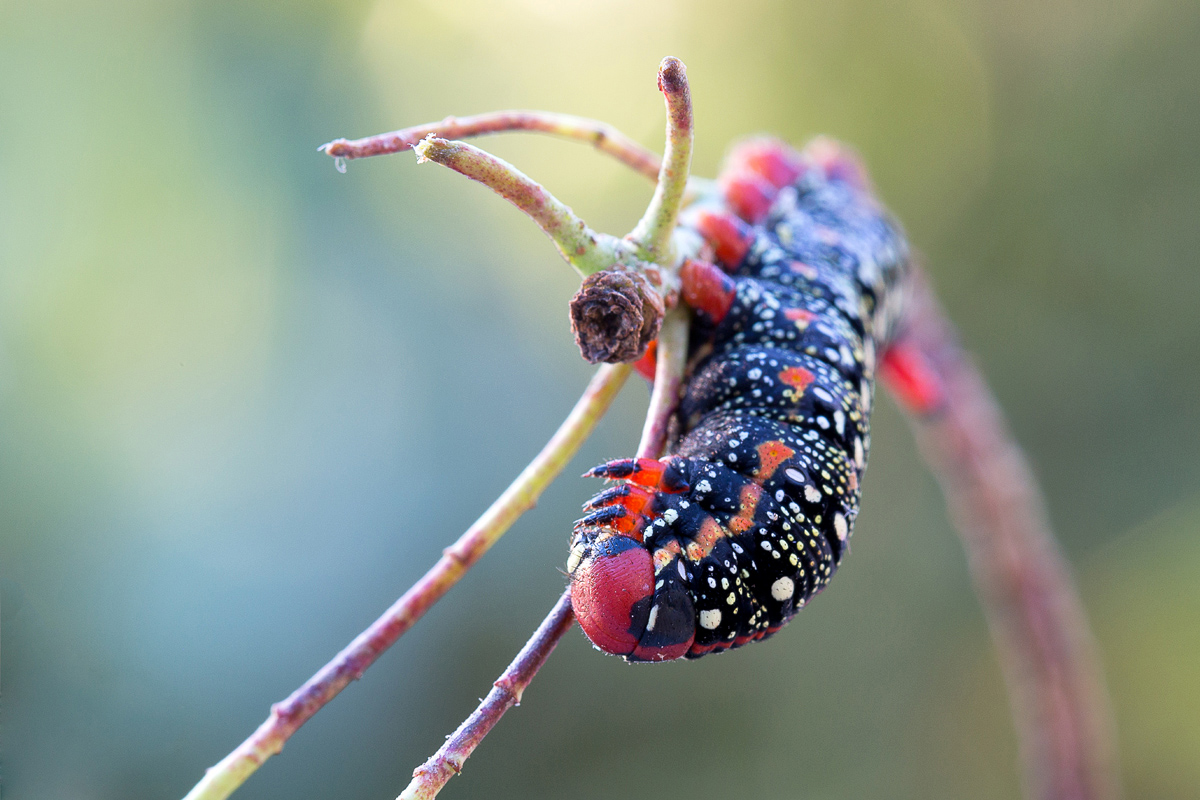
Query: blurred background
[245,400]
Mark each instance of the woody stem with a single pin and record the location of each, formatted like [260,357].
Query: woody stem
[286,717]
[602,136]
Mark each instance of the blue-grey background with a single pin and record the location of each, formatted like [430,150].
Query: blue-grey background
[246,400]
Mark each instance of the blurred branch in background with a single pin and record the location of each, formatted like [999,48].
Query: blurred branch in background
[1055,682]
[223,779]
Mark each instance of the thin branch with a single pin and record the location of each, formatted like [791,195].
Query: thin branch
[286,717]
[668,380]
[582,247]
[430,777]
[653,231]
[1055,682]
[603,136]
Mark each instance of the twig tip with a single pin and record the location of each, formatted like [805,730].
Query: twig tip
[672,76]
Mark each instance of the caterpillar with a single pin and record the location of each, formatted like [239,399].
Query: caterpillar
[721,542]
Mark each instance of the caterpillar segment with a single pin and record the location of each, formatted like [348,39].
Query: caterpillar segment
[721,542]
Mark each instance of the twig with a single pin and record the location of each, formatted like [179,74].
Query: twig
[603,136]
[668,380]
[653,231]
[430,777]
[582,247]
[1055,682]
[286,717]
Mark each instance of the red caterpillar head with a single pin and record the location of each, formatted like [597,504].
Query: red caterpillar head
[613,594]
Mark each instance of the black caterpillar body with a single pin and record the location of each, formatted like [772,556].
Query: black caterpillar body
[726,538]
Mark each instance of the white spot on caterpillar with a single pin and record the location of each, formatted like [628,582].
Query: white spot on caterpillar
[841,526]
[754,374]
[782,589]
[858,452]
[811,494]
[793,475]
[703,486]
[653,618]
[682,571]
[731,599]
[710,618]
[839,422]
[670,515]
[824,423]
[575,559]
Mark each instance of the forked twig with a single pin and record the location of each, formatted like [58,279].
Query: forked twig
[286,717]
[430,777]
[1056,687]
[603,136]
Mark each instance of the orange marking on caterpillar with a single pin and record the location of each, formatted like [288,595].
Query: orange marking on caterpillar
[710,533]
[748,504]
[770,455]
[799,316]
[798,378]
[806,270]
[664,555]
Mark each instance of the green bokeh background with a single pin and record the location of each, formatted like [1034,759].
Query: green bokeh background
[246,400]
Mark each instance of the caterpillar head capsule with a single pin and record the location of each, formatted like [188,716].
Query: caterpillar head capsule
[612,586]
[621,606]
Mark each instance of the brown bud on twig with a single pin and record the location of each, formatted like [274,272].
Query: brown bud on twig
[615,315]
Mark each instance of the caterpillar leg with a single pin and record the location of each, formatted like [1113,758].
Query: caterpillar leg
[647,365]
[754,173]
[619,507]
[648,472]
[729,236]
[707,289]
